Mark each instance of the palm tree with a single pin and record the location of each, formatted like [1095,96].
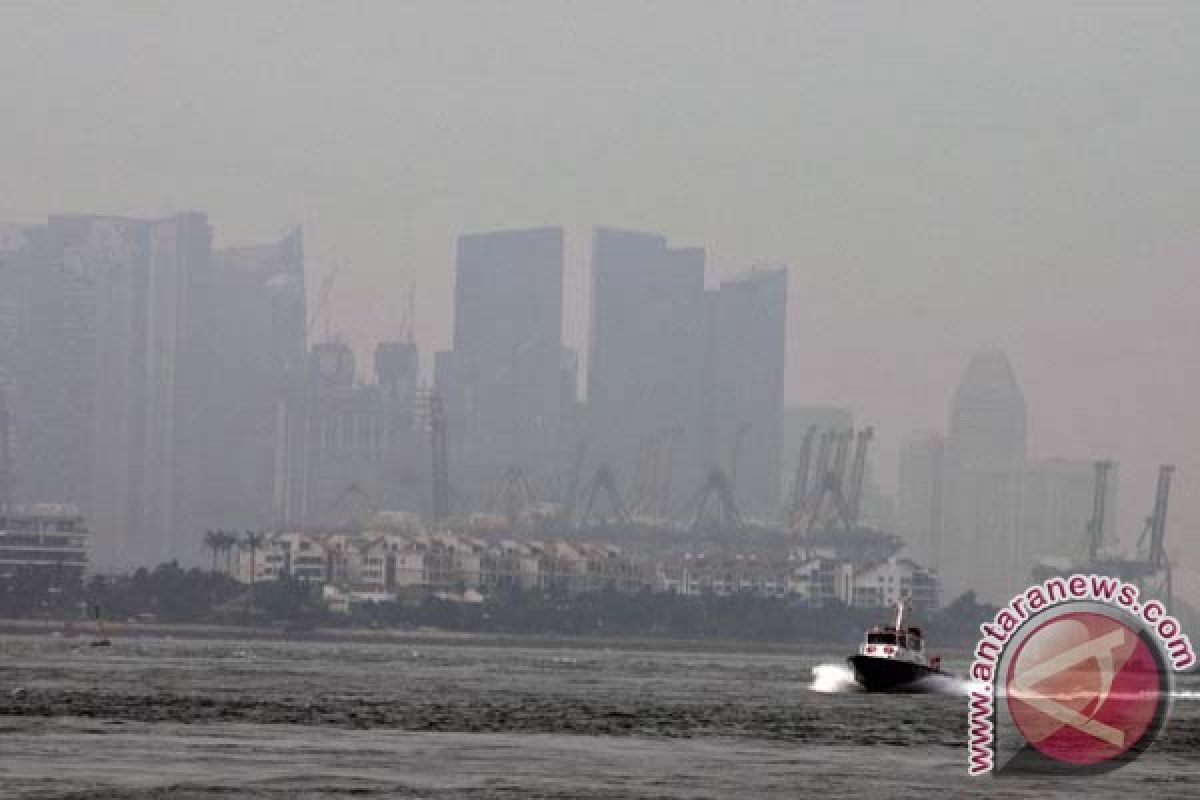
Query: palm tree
[214,541]
[228,541]
[252,541]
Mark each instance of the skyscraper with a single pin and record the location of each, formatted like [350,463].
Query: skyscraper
[920,496]
[19,257]
[648,356]
[261,361]
[503,381]
[145,300]
[981,543]
[749,334]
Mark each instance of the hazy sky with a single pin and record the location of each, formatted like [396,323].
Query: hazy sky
[939,176]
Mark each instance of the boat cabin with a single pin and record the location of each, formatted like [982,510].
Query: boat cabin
[888,641]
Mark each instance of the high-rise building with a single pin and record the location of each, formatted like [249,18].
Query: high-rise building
[503,381]
[110,376]
[985,455]
[749,335]
[919,496]
[19,256]
[260,362]
[146,305]
[648,356]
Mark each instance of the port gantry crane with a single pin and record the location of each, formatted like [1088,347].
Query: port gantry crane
[1094,538]
[800,479]
[829,496]
[514,494]
[1149,568]
[650,492]
[714,505]
[603,480]
[1156,567]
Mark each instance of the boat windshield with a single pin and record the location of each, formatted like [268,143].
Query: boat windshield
[881,638]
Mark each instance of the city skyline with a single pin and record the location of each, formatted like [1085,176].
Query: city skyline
[262,285]
[933,197]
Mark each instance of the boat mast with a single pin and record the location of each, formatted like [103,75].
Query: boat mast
[900,612]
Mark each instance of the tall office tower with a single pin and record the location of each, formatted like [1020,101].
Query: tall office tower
[981,541]
[1056,508]
[19,257]
[128,327]
[502,382]
[260,360]
[747,356]
[919,496]
[649,350]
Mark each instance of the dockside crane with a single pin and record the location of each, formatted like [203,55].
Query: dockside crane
[858,472]
[800,479]
[1152,542]
[514,494]
[1094,538]
[604,481]
[840,456]
[820,469]
[715,503]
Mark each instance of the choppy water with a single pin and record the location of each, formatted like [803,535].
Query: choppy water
[204,719]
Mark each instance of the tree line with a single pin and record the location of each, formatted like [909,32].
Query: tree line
[171,594]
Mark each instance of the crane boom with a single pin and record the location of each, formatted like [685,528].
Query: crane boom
[803,462]
[1095,526]
[858,473]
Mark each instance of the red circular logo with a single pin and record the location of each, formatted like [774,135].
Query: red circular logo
[1084,688]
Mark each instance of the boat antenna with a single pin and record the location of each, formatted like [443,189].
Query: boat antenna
[900,611]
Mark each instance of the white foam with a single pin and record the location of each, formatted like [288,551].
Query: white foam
[838,678]
[833,679]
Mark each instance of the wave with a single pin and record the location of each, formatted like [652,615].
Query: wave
[835,678]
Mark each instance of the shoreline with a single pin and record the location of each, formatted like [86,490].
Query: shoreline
[398,636]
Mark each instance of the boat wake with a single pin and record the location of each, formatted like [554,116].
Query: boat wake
[835,678]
